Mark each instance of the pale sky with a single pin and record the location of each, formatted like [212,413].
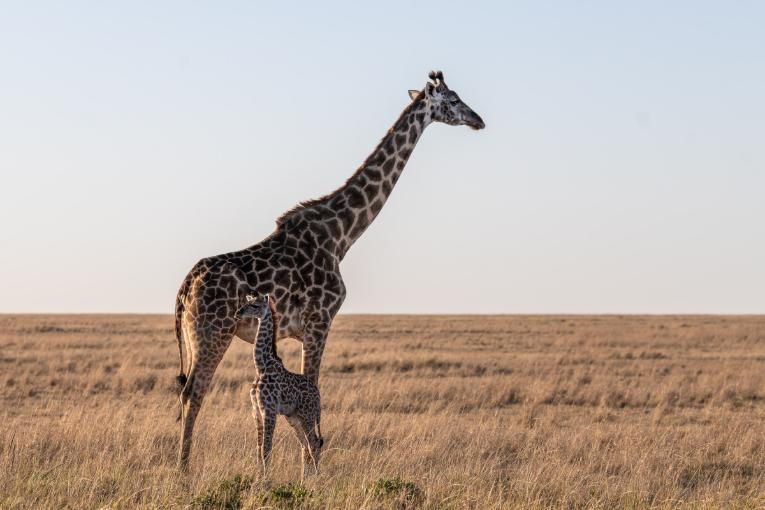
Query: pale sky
[622,168]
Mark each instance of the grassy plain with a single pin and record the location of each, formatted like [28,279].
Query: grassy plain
[418,412]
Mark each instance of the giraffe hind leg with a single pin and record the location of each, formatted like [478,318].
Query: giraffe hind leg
[209,346]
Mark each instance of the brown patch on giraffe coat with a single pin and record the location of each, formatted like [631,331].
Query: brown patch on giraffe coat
[413,134]
[347,219]
[389,146]
[358,229]
[371,191]
[374,174]
[376,206]
[334,227]
[355,198]
[282,277]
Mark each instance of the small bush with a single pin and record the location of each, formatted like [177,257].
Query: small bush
[407,493]
[286,496]
[227,495]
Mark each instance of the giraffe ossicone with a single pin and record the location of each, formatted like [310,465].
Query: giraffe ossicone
[299,263]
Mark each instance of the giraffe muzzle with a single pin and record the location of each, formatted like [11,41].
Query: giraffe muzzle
[475,122]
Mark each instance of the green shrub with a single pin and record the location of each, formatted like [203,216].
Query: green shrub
[227,495]
[407,493]
[286,496]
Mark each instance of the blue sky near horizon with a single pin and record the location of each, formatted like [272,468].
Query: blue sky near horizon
[622,169]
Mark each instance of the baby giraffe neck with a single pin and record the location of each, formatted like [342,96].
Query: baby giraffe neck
[265,345]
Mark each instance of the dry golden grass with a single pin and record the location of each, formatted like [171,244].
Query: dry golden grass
[467,412]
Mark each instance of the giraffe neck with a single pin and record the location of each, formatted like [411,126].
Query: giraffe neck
[342,216]
[265,345]
[360,200]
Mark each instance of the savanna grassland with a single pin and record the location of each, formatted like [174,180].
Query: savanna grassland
[418,412]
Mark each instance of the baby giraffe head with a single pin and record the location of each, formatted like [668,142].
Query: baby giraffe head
[445,105]
[256,308]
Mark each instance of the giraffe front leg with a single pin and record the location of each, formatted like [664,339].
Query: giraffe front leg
[314,341]
[267,435]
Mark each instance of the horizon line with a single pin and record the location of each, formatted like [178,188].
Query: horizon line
[445,314]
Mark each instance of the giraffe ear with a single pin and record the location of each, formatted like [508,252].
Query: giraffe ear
[413,94]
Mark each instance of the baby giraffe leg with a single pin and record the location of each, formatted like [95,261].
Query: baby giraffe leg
[258,426]
[300,434]
[309,452]
[314,442]
[267,441]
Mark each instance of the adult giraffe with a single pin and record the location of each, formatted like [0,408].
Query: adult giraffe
[299,263]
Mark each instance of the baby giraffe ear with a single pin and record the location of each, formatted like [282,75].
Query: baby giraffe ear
[250,298]
[413,94]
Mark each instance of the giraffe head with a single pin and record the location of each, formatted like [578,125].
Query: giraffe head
[445,105]
[256,307]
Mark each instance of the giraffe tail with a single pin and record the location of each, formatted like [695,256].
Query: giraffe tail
[181,379]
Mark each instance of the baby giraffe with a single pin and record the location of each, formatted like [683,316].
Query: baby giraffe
[276,390]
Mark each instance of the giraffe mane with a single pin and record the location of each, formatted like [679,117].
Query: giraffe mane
[281,220]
